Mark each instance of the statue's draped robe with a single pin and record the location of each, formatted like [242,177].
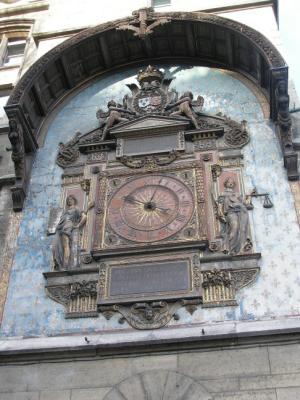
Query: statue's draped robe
[237,222]
[68,220]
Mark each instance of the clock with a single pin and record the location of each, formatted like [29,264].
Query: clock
[150,208]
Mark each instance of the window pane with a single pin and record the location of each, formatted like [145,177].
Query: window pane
[160,3]
[16,47]
[14,52]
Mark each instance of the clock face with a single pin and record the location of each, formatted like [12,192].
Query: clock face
[150,208]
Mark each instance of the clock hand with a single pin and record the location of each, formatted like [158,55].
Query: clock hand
[131,199]
[152,197]
[164,210]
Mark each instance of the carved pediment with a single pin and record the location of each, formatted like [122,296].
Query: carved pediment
[151,124]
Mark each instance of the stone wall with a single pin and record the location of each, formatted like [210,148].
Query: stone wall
[30,312]
[244,373]
[8,220]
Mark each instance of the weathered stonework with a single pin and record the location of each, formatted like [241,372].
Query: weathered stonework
[259,301]
[295,188]
[7,257]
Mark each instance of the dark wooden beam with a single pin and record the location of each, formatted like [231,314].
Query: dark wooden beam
[67,71]
[105,51]
[190,40]
[229,48]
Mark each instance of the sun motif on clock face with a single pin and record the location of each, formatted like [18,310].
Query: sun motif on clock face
[150,208]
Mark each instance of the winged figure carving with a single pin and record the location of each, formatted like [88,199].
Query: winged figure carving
[187,107]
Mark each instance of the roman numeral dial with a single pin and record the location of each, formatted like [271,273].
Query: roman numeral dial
[150,208]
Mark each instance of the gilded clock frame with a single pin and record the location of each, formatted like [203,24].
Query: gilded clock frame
[190,173]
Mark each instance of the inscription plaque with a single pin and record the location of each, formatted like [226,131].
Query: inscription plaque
[147,145]
[147,280]
[157,278]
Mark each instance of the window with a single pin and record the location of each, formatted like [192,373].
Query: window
[161,3]
[14,52]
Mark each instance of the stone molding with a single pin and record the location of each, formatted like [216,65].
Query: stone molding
[198,336]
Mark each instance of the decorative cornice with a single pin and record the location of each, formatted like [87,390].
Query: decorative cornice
[73,75]
[24,9]
[271,54]
[264,332]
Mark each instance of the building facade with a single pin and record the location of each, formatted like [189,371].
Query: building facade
[149,202]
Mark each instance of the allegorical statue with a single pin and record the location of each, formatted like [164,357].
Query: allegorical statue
[115,114]
[71,220]
[233,213]
[186,107]
[151,96]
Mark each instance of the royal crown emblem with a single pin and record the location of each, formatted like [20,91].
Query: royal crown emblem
[152,96]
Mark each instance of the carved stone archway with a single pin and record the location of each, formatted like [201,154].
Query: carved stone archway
[146,36]
[159,384]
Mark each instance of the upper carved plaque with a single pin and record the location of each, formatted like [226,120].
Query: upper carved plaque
[153,109]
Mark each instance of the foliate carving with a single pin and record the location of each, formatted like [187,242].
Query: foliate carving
[149,162]
[237,135]
[92,137]
[242,278]
[60,294]
[83,300]
[141,26]
[216,278]
[220,286]
[79,298]
[68,153]
[152,315]
[204,123]
[83,289]
[196,277]
[217,289]
[102,278]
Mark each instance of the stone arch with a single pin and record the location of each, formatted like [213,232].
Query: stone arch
[158,384]
[146,36]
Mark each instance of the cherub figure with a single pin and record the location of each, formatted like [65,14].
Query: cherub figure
[187,107]
[113,116]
